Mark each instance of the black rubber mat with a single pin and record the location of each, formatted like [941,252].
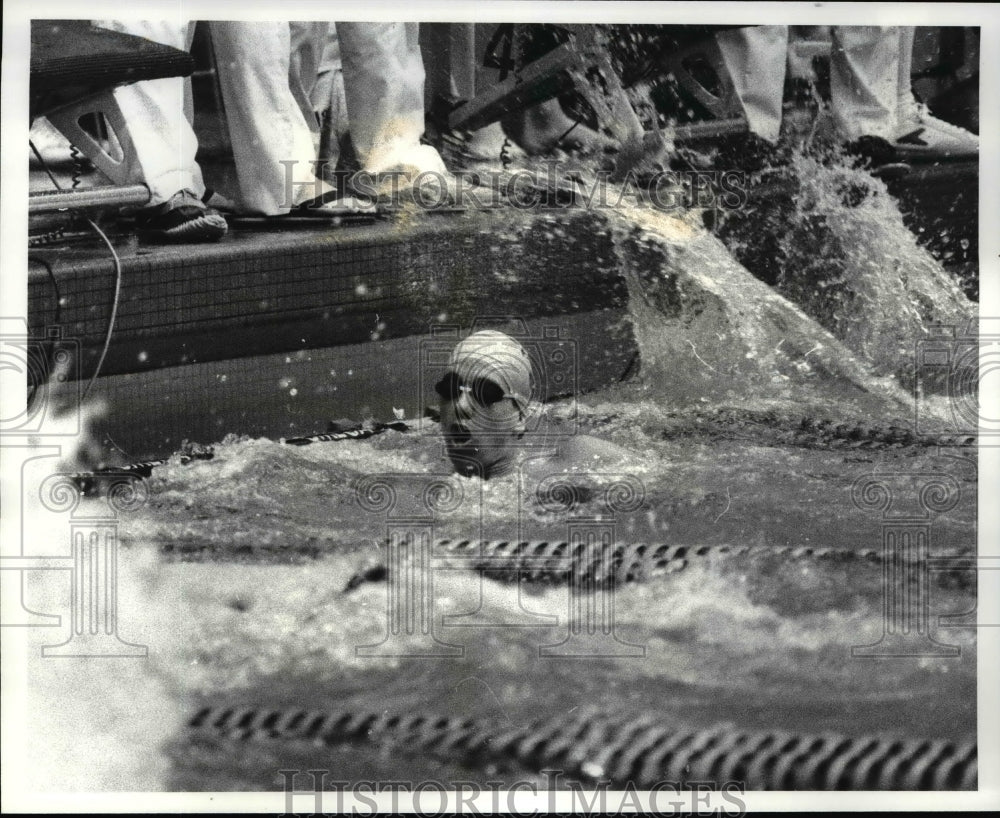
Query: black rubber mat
[72,58]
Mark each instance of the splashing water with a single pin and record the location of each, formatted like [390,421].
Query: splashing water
[90,723]
[261,540]
[708,331]
[831,238]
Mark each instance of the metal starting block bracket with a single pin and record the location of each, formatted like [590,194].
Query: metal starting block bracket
[75,69]
[581,64]
[721,102]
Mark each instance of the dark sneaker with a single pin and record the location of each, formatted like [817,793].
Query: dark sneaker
[217,201]
[185,218]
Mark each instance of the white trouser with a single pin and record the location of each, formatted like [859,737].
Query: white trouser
[869,73]
[317,81]
[308,41]
[383,77]
[384,88]
[267,128]
[272,140]
[158,113]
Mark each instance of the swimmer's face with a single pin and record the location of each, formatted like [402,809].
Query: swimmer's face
[481,427]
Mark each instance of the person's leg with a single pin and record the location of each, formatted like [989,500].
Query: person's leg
[165,143]
[158,114]
[917,132]
[906,36]
[756,58]
[384,89]
[864,80]
[307,44]
[328,99]
[272,143]
[463,59]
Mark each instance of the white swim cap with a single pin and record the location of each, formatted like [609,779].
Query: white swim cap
[497,357]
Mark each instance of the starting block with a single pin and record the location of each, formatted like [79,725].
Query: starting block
[75,68]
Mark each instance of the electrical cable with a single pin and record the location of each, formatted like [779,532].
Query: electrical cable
[114,308]
[114,257]
[55,321]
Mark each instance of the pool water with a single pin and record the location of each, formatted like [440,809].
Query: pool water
[235,569]
[261,541]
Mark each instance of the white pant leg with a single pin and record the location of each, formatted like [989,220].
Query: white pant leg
[327,97]
[266,125]
[328,90]
[308,40]
[158,118]
[756,57]
[384,89]
[905,90]
[864,80]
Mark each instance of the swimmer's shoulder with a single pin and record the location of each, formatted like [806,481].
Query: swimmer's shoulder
[583,454]
[588,451]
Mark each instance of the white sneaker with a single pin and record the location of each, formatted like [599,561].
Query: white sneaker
[400,169]
[918,134]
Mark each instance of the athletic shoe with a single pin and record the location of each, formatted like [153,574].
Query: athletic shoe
[331,205]
[873,151]
[217,201]
[184,218]
[920,135]
[400,175]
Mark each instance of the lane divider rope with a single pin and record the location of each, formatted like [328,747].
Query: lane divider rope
[641,751]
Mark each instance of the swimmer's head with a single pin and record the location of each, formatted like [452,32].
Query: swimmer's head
[485,398]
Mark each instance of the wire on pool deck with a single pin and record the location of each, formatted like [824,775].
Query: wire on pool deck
[114,309]
[118,278]
[55,321]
